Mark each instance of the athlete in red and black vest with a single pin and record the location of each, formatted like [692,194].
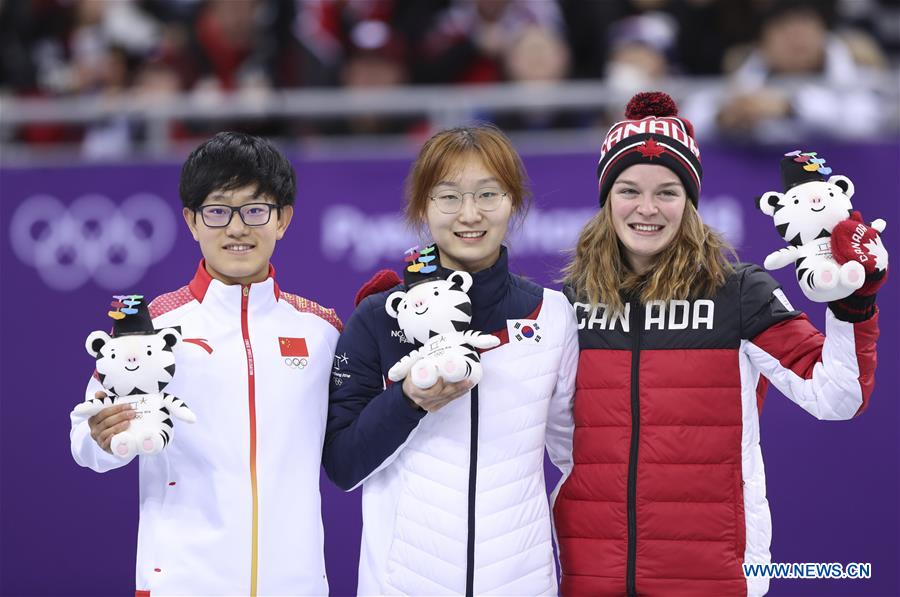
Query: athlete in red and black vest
[667,494]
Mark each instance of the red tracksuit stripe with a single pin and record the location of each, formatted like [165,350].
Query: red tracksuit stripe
[251,392]
[762,387]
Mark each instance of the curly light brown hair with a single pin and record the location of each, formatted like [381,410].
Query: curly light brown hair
[695,264]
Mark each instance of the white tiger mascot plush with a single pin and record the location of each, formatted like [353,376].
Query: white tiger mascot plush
[805,216]
[435,313]
[134,367]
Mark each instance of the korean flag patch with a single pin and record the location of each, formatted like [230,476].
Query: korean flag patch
[523,330]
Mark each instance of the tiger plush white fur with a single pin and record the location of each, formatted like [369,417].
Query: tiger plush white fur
[436,314]
[135,369]
[805,216]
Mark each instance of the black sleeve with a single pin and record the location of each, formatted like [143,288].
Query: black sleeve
[763,302]
[366,422]
[854,308]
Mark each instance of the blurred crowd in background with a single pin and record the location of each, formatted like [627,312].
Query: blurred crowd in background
[207,48]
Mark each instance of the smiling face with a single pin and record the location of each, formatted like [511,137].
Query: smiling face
[805,211]
[140,361]
[647,203]
[237,253]
[469,240]
[434,307]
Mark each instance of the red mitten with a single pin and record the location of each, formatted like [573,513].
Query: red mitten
[384,279]
[852,239]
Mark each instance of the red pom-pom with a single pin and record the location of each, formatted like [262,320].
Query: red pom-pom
[650,103]
[382,280]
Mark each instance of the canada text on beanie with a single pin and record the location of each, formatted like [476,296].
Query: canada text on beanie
[651,134]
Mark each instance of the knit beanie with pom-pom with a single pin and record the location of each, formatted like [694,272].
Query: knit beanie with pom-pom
[651,134]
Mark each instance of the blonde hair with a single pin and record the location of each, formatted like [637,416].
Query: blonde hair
[693,265]
[445,151]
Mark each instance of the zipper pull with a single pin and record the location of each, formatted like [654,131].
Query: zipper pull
[246,290]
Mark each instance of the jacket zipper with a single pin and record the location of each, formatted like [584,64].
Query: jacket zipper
[637,323]
[473,474]
[251,394]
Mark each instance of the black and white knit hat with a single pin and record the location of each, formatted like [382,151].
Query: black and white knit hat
[651,134]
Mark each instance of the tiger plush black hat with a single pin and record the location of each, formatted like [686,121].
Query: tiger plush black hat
[423,265]
[130,316]
[799,167]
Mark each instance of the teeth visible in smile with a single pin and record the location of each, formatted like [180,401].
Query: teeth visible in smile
[238,248]
[470,234]
[646,227]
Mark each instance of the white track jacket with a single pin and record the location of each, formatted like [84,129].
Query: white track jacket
[231,506]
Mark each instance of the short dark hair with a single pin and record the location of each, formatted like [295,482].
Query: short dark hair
[230,161]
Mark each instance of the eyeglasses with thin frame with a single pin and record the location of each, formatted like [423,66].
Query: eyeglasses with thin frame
[486,199]
[251,214]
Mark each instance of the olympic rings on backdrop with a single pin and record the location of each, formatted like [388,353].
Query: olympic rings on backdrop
[92,238]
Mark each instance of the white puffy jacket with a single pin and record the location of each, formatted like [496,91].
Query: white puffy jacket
[455,502]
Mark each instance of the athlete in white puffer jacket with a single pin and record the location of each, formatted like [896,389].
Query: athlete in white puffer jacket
[454,496]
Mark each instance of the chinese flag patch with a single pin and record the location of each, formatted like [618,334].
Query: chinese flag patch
[293,347]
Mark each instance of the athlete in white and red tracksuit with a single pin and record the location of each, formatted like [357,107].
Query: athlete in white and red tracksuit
[231,506]
[667,494]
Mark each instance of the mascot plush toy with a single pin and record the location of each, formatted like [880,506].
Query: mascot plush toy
[435,312]
[135,364]
[835,252]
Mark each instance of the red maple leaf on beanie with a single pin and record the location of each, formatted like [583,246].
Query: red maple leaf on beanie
[651,149]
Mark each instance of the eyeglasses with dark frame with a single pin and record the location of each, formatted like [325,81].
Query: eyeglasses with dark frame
[486,199]
[251,214]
